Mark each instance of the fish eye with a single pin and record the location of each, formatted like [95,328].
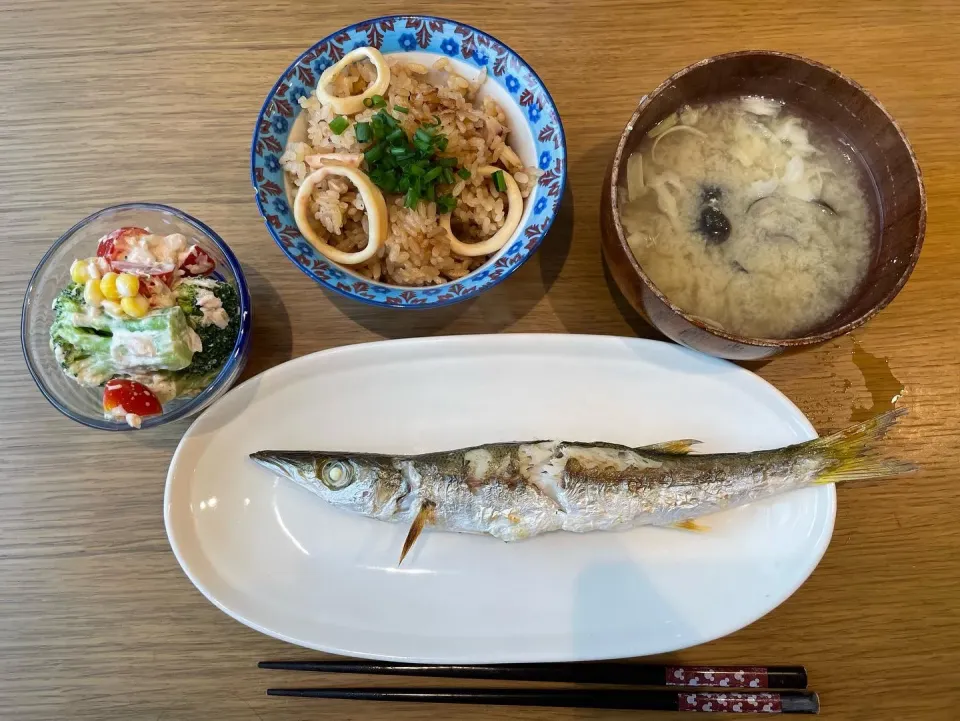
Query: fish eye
[335,475]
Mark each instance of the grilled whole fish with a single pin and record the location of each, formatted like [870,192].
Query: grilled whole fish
[517,490]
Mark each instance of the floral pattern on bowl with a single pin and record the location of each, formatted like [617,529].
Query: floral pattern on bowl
[409,33]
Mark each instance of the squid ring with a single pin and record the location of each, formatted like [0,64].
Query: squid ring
[373,201]
[354,103]
[500,238]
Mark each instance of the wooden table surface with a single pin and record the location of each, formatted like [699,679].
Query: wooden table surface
[104,102]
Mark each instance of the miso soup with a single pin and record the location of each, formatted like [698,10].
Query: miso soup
[750,216]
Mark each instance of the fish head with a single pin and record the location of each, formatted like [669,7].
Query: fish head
[370,485]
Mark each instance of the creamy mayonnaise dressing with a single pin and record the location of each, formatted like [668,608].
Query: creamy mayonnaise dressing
[163,386]
[132,349]
[156,249]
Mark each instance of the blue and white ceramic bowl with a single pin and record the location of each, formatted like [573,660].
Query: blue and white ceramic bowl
[536,135]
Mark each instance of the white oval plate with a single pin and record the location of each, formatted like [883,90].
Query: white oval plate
[280,560]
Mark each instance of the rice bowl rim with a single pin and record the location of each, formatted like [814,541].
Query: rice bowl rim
[433,299]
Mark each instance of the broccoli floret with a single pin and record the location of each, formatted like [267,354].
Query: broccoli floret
[93,346]
[76,346]
[69,309]
[193,297]
[67,354]
[83,341]
[161,340]
[91,370]
[69,300]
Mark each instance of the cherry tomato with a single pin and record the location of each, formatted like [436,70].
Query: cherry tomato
[197,262]
[131,396]
[115,245]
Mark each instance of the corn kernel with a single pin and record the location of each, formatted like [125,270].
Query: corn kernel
[78,271]
[136,307]
[113,308]
[108,286]
[91,292]
[128,285]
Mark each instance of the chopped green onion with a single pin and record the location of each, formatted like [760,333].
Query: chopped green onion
[401,109]
[363,131]
[423,136]
[498,182]
[446,203]
[387,119]
[409,166]
[412,198]
[368,102]
[339,124]
[380,179]
[389,183]
[377,101]
[373,155]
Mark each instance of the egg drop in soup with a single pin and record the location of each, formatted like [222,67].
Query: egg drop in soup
[750,216]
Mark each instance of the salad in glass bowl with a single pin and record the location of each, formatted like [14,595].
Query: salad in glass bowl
[151,317]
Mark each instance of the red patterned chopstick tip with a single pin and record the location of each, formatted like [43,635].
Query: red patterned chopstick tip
[729,702]
[747,677]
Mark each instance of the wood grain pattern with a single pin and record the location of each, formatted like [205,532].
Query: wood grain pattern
[104,102]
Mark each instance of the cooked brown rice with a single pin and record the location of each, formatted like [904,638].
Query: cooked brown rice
[417,250]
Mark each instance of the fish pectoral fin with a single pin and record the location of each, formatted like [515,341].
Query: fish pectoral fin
[690,525]
[679,447]
[423,518]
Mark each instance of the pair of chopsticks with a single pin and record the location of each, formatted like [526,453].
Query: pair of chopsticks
[721,689]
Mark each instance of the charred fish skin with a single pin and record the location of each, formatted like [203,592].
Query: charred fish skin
[487,489]
[481,490]
[615,488]
[518,490]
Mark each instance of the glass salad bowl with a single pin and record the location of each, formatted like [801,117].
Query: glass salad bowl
[83,404]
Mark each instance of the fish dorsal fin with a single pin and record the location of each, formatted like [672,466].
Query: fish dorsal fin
[673,448]
[424,517]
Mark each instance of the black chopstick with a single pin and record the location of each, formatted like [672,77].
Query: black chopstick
[641,700]
[723,677]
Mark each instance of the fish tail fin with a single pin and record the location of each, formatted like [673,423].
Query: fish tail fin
[850,451]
